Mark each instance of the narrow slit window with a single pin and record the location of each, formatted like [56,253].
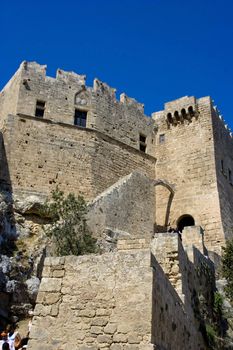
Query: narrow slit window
[80,118]
[222,166]
[162,138]
[230,176]
[40,109]
[142,143]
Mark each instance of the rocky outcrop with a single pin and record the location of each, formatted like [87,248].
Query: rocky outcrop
[22,248]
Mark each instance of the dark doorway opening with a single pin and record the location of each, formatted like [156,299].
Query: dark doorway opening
[185,220]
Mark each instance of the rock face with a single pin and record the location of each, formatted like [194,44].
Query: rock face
[7,223]
[22,245]
[31,204]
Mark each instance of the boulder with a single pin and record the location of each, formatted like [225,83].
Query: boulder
[29,205]
[33,284]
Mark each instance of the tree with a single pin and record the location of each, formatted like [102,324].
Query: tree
[227,268]
[68,228]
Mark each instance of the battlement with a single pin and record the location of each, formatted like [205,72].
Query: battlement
[67,99]
[35,70]
[222,123]
[184,108]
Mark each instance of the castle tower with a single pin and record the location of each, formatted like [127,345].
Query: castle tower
[194,152]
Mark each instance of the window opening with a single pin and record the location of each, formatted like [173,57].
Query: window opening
[142,143]
[183,113]
[169,117]
[40,109]
[190,110]
[162,138]
[80,118]
[176,115]
[222,166]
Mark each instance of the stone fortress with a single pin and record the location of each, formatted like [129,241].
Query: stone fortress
[140,175]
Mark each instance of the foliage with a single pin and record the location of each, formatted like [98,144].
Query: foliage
[218,303]
[68,229]
[211,335]
[227,268]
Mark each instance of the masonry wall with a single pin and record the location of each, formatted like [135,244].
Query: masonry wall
[223,142]
[42,155]
[102,301]
[186,159]
[9,96]
[123,120]
[173,327]
[191,274]
[125,209]
[115,301]
[5,183]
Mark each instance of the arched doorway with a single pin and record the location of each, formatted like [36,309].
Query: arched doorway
[185,220]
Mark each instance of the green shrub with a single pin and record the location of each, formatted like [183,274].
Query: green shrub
[218,303]
[210,333]
[68,229]
[227,268]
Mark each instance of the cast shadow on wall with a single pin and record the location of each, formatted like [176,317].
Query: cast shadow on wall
[8,232]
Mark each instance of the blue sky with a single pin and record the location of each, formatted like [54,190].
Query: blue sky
[153,50]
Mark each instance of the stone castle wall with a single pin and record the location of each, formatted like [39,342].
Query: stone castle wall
[124,209]
[223,147]
[42,155]
[186,158]
[115,301]
[9,97]
[123,120]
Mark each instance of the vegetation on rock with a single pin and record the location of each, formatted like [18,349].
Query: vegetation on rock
[227,268]
[68,229]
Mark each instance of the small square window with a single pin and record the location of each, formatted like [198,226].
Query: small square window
[142,143]
[162,138]
[80,118]
[40,109]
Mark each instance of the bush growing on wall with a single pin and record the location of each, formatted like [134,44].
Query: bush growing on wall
[68,229]
[227,268]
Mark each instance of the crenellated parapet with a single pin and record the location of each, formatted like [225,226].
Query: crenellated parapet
[222,123]
[66,99]
[131,102]
[102,88]
[71,77]
[181,110]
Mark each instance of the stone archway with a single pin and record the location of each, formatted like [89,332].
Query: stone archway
[171,189]
[185,220]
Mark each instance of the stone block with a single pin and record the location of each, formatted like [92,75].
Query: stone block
[107,339]
[110,328]
[120,338]
[51,298]
[96,330]
[50,285]
[99,321]
[87,313]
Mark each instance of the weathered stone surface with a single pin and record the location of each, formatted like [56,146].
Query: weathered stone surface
[28,205]
[120,207]
[33,285]
[110,328]
[104,339]
[50,285]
